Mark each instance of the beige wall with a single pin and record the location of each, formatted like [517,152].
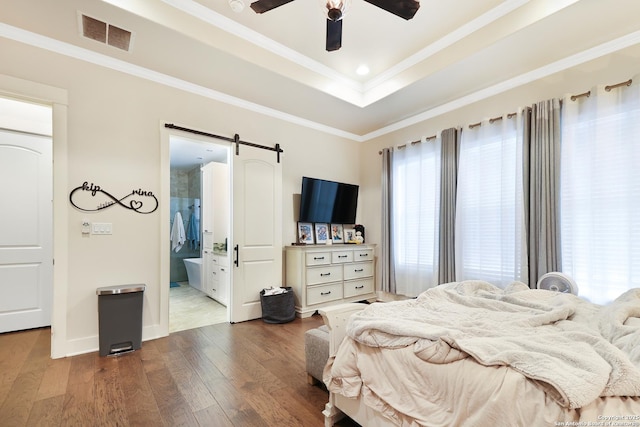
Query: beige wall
[113,140]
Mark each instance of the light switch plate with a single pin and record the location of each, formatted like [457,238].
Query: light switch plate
[101,228]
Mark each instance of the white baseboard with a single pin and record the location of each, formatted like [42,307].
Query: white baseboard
[90,344]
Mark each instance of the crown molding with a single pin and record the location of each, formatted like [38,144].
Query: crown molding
[66,49]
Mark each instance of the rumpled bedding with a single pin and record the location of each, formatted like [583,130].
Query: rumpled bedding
[475,343]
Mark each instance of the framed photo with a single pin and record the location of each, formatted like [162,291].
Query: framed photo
[305,233]
[349,235]
[337,233]
[322,233]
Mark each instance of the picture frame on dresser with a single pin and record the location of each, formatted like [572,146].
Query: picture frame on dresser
[349,235]
[337,233]
[305,233]
[322,233]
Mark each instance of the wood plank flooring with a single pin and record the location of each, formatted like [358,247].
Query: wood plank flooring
[247,374]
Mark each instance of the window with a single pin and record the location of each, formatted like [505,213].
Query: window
[490,242]
[600,192]
[416,210]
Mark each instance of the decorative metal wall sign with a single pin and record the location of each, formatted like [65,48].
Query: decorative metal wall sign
[140,201]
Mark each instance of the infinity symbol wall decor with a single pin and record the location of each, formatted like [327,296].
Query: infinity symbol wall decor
[92,195]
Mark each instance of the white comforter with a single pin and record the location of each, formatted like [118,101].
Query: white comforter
[574,350]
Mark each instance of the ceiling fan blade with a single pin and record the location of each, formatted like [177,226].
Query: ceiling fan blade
[262,6]
[334,35]
[403,8]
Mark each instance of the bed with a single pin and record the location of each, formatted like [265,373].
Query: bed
[472,354]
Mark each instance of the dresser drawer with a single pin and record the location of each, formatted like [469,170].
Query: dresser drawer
[325,293]
[358,270]
[318,258]
[363,255]
[324,274]
[339,257]
[358,287]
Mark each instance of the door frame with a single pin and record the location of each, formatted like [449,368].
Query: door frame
[12,87]
[165,214]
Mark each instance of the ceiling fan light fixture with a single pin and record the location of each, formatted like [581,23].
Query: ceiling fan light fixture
[335,9]
[334,14]
[236,5]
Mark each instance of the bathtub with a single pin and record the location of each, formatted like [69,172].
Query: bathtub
[194,272]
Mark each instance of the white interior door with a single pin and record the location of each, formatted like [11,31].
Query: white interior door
[256,249]
[26,236]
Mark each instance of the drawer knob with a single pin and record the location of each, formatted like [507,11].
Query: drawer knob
[315,258]
[358,270]
[325,274]
[325,293]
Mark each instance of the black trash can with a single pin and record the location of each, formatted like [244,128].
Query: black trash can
[278,308]
[120,318]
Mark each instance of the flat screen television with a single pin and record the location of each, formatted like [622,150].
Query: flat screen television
[328,201]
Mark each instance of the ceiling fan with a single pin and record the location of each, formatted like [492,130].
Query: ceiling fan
[335,11]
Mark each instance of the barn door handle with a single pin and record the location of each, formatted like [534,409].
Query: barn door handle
[235,249]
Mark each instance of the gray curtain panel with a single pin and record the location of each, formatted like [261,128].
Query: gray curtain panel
[388,272]
[448,187]
[541,156]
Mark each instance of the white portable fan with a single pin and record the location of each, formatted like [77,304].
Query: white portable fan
[558,282]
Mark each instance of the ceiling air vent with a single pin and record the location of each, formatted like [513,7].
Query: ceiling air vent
[105,33]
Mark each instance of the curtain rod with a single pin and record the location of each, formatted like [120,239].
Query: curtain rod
[607,88]
[510,115]
[494,119]
[428,138]
[627,83]
[236,139]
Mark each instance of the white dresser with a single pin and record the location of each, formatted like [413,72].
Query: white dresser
[323,275]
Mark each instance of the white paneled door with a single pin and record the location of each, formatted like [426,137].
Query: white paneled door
[26,235]
[257,230]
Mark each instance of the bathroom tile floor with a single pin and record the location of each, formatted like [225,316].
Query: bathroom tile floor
[189,308]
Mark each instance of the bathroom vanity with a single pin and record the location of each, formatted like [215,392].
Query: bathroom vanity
[216,273]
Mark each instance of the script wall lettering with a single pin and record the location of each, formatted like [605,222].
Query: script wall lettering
[92,198]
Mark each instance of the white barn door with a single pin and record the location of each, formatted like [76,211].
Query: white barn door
[256,251]
[26,235]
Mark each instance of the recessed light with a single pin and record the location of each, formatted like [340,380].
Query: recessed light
[362,70]
[236,5]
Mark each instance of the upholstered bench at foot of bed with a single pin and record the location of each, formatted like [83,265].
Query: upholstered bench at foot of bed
[316,351]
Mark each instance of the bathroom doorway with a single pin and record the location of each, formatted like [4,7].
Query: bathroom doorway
[199,229]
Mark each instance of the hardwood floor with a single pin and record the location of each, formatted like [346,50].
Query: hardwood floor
[246,374]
